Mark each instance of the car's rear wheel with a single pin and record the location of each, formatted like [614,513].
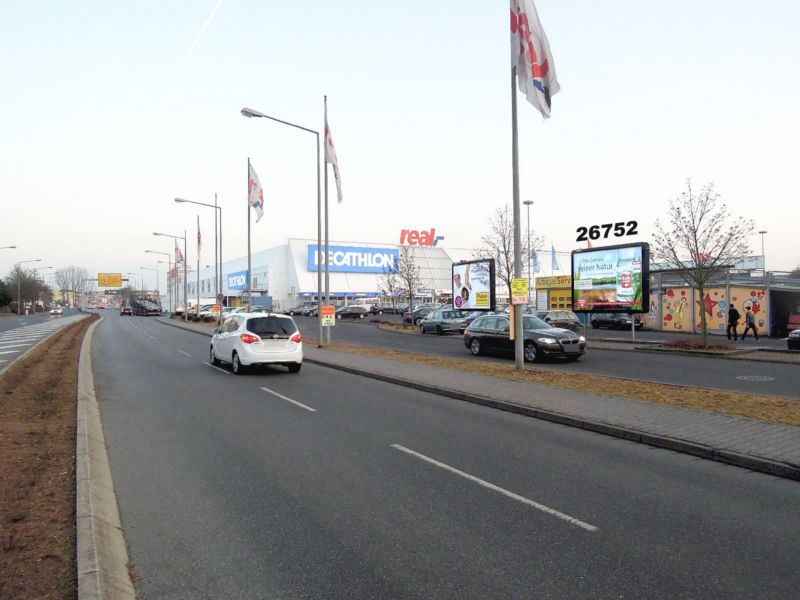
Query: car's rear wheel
[475,346]
[338,316]
[530,352]
[422,329]
[213,357]
[360,315]
[294,367]
[439,330]
[595,325]
[236,365]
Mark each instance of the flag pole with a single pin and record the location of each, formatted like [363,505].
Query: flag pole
[185,280]
[327,277]
[249,291]
[320,334]
[197,308]
[519,361]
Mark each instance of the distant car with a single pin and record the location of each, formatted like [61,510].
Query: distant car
[126,311]
[247,339]
[490,334]
[793,341]
[227,312]
[417,316]
[352,312]
[443,320]
[299,310]
[56,310]
[312,312]
[614,321]
[565,319]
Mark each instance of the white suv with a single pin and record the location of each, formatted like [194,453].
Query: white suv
[256,338]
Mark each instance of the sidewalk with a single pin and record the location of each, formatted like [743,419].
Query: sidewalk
[752,444]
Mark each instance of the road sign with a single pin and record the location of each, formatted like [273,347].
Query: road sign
[328,316]
[109,280]
[220,297]
[519,290]
[216,310]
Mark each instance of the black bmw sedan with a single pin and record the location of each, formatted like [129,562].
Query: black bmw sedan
[489,334]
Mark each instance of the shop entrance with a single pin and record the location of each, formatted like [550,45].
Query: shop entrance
[784,303]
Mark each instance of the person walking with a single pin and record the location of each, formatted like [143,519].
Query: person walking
[733,322]
[749,323]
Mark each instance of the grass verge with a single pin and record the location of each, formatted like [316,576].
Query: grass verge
[38,403]
[763,408]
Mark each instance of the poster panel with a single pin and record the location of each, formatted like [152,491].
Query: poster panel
[611,279]
[473,285]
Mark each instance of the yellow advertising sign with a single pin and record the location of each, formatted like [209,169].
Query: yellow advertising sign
[556,281]
[519,290]
[109,280]
[482,299]
[328,316]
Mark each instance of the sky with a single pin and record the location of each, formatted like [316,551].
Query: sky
[111,110]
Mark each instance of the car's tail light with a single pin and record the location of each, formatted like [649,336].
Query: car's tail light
[296,338]
[248,339]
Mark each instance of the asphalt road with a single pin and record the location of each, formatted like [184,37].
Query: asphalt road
[14,322]
[735,375]
[369,490]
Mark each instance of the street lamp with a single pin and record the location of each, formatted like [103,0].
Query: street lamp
[136,284]
[168,262]
[251,113]
[217,244]
[19,287]
[6,247]
[158,292]
[185,281]
[528,203]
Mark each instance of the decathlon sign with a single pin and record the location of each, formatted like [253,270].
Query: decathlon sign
[237,281]
[354,259]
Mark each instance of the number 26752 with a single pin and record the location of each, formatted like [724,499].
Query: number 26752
[595,232]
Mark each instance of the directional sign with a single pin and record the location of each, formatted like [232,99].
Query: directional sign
[109,280]
[328,316]
[519,290]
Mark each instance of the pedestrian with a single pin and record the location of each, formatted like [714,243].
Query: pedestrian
[733,322]
[749,323]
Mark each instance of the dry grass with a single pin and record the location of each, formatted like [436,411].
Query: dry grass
[400,328]
[764,408]
[38,402]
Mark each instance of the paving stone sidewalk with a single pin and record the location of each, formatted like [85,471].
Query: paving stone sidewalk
[734,440]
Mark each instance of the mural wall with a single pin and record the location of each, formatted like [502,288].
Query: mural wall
[676,309]
[679,306]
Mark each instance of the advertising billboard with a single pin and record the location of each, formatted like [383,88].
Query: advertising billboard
[237,281]
[354,259]
[611,279]
[473,285]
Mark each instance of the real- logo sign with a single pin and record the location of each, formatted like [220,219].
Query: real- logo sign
[412,237]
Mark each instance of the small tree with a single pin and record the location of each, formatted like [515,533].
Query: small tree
[24,283]
[702,238]
[408,276]
[5,294]
[389,285]
[499,245]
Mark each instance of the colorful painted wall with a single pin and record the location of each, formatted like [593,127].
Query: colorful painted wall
[676,309]
[677,314]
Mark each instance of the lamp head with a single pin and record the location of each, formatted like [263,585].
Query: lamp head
[250,113]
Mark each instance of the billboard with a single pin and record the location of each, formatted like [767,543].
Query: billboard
[611,279]
[354,259]
[109,280]
[237,281]
[473,285]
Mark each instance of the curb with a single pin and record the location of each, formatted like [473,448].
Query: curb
[102,555]
[22,356]
[753,463]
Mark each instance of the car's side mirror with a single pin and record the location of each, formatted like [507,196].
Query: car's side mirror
[215,331]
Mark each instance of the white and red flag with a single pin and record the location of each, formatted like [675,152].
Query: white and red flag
[255,195]
[330,158]
[178,254]
[530,53]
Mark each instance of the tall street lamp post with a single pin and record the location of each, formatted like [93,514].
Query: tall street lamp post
[167,262]
[19,287]
[528,204]
[36,278]
[185,280]
[217,245]
[250,113]
[158,291]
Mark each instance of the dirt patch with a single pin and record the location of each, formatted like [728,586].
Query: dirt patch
[763,408]
[411,329]
[38,403]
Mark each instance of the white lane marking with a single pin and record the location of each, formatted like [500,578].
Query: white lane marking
[4,346]
[218,369]
[186,353]
[282,397]
[152,337]
[2,360]
[491,486]
[11,352]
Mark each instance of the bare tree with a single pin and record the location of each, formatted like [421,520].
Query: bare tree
[72,280]
[702,238]
[389,285]
[27,286]
[499,245]
[408,276]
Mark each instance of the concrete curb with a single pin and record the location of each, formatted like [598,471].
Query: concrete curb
[102,554]
[22,356]
[753,463]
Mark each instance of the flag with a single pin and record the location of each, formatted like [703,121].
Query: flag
[178,253]
[330,158]
[255,195]
[536,267]
[554,258]
[530,53]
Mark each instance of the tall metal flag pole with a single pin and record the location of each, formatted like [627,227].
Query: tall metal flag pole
[319,245]
[197,308]
[249,291]
[185,280]
[519,359]
[216,254]
[327,277]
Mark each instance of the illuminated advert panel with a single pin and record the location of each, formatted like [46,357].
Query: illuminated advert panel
[354,259]
[611,279]
[473,285]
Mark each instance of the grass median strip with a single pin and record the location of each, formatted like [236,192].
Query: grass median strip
[763,408]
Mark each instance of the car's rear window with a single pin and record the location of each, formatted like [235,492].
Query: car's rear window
[269,326]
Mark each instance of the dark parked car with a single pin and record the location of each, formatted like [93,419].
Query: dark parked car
[379,309]
[299,310]
[614,320]
[352,312]
[443,320]
[560,318]
[126,310]
[419,314]
[490,334]
[793,341]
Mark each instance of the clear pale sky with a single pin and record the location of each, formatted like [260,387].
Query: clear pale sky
[107,116]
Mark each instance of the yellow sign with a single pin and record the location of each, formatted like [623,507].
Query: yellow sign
[556,281]
[328,316]
[482,299]
[519,290]
[109,280]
